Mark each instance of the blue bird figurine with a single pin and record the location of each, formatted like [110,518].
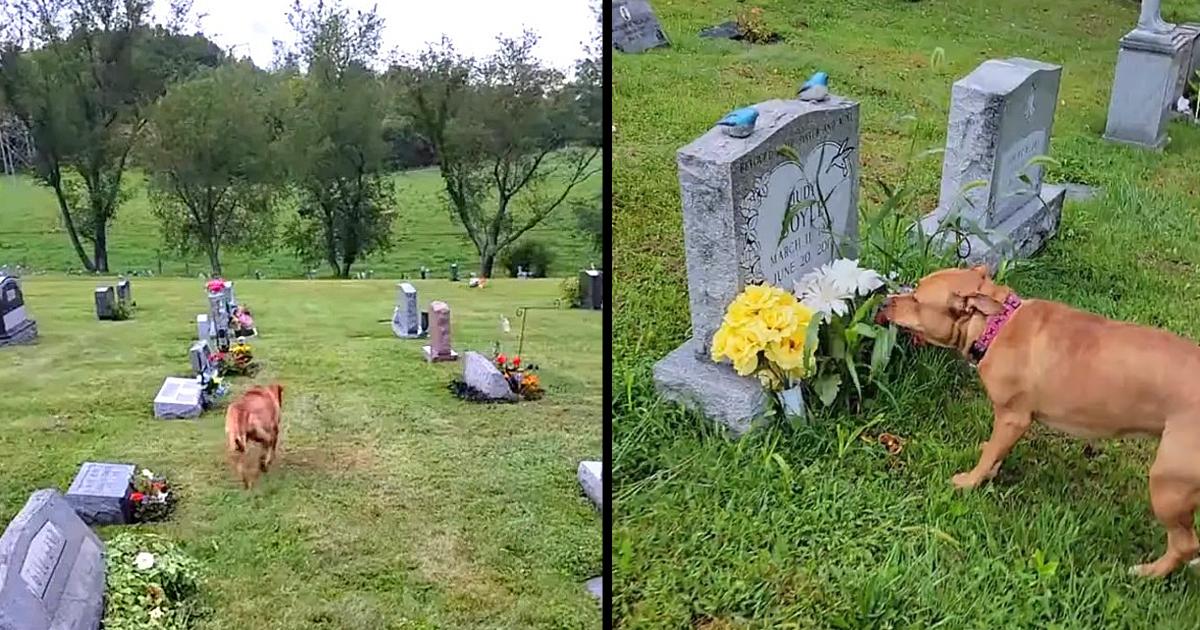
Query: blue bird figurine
[816,88]
[739,123]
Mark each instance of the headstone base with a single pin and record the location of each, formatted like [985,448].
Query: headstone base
[1021,235]
[24,334]
[433,358]
[713,389]
[591,478]
[178,398]
[1151,69]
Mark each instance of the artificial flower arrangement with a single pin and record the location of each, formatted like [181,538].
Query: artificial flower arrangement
[216,285]
[213,388]
[818,337]
[238,361]
[152,497]
[150,583]
[241,322]
[521,380]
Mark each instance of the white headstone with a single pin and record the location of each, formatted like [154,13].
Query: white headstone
[178,398]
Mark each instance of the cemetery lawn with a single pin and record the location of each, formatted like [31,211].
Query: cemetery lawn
[815,527]
[393,504]
[424,233]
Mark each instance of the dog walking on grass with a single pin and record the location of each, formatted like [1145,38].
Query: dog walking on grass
[254,417]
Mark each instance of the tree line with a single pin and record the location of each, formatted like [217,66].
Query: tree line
[226,145]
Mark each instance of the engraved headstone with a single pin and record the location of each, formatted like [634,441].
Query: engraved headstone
[766,208]
[125,292]
[591,479]
[1000,117]
[51,568]
[591,289]
[106,303]
[15,325]
[484,377]
[218,317]
[203,327]
[406,317]
[198,358]
[635,28]
[230,298]
[178,398]
[100,493]
[439,348]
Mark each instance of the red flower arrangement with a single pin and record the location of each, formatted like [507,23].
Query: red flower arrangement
[216,285]
[153,498]
[522,381]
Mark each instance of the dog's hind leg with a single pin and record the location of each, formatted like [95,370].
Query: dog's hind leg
[1174,492]
[268,454]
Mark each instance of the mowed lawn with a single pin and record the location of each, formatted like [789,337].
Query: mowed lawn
[425,234]
[816,527]
[394,504]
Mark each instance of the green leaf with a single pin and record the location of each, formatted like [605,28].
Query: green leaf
[881,352]
[860,313]
[789,214]
[827,388]
[866,330]
[783,467]
[853,369]
[812,339]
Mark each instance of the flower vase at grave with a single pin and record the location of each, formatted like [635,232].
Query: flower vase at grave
[791,401]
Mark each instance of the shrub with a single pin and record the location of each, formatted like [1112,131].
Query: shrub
[151,583]
[569,291]
[534,256]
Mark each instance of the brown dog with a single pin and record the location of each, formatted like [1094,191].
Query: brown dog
[1075,372]
[254,417]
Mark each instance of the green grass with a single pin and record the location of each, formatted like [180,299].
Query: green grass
[813,527]
[31,235]
[394,505]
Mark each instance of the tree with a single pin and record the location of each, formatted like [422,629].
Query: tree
[335,139]
[82,89]
[508,133]
[211,161]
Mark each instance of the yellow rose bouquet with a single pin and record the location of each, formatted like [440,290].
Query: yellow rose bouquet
[766,334]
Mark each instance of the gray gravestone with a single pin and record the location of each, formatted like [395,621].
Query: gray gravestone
[178,398]
[203,327]
[736,193]
[51,568]
[453,272]
[218,317]
[591,479]
[484,377]
[125,292]
[406,317]
[100,493]
[1001,116]
[198,358]
[15,325]
[439,348]
[106,303]
[635,28]
[591,289]
[1154,64]
[230,298]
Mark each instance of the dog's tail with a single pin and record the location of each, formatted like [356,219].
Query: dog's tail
[235,429]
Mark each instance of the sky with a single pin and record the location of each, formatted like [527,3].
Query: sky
[248,27]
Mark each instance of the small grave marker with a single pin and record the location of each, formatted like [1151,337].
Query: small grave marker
[406,317]
[100,493]
[591,289]
[635,28]
[591,479]
[125,292]
[439,348]
[106,303]
[178,398]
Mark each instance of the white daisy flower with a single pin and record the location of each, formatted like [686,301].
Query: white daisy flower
[144,561]
[848,277]
[147,474]
[156,614]
[822,296]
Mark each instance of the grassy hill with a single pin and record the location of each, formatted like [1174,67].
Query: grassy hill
[31,235]
[394,504]
[814,527]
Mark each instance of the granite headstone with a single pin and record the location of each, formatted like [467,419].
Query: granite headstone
[754,211]
[406,317]
[1001,116]
[125,292]
[51,568]
[15,325]
[178,398]
[106,303]
[100,493]
[635,28]
[439,348]
[481,375]
[591,289]
[591,479]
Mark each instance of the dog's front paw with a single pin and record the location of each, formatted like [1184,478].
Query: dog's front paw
[964,481]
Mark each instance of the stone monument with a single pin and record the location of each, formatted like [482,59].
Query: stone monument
[439,348]
[15,325]
[737,193]
[179,398]
[635,28]
[406,317]
[591,479]
[1001,115]
[591,289]
[218,317]
[51,568]
[125,292]
[106,303]
[1154,63]
[100,493]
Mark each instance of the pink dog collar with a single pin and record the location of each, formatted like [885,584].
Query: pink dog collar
[994,323]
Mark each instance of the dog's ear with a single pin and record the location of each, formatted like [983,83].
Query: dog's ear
[973,303]
[982,270]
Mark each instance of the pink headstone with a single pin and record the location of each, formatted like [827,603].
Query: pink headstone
[439,334]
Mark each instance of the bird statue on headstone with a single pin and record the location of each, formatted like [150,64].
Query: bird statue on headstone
[739,123]
[816,88]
